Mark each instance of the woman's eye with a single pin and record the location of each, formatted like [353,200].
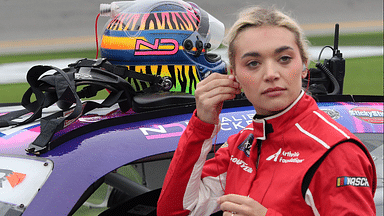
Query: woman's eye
[285,59]
[253,64]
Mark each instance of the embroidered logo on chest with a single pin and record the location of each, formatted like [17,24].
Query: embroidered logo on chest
[246,145]
[285,157]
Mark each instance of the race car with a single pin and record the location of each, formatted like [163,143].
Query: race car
[89,152]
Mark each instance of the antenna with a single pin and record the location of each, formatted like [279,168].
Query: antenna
[336,64]
[336,40]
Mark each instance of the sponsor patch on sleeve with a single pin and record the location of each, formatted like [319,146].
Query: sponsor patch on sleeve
[352,181]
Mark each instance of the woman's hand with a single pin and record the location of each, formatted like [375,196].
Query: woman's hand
[211,93]
[237,205]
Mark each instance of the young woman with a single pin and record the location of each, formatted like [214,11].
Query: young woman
[290,160]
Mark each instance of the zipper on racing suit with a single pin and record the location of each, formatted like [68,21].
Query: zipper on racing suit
[258,143]
[268,129]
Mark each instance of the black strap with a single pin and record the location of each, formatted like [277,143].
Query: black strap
[60,88]
[65,89]
[119,70]
[7,119]
[53,123]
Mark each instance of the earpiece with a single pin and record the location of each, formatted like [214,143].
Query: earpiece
[304,68]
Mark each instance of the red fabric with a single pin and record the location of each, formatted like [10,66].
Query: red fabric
[273,177]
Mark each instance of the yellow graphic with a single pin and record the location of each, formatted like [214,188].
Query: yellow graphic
[184,77]
[149,21]
[126,43]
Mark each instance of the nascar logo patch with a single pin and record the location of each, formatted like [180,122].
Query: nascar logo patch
[352,181]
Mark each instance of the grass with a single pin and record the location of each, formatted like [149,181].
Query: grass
[12,58]
[354,39]
[13,93]
[364,76]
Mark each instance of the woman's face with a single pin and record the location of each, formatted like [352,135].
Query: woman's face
[268,67]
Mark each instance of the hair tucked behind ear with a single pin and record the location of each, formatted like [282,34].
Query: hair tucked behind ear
[257,16]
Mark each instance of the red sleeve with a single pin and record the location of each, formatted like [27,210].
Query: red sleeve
[194,145]
[344,183]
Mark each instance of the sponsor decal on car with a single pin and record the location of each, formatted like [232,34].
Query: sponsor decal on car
[21,177]
[334,114]
[368,114]
[14,178]
[228,123]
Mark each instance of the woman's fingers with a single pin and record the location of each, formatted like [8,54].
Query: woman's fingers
[211,93]
[217,80]
[242,205]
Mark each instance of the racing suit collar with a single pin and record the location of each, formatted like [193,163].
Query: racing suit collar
[260,126]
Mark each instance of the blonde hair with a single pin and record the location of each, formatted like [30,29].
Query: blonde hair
[257,16]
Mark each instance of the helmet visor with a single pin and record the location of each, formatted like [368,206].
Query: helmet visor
[210,28]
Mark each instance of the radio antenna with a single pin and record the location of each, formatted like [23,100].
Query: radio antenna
[336,41]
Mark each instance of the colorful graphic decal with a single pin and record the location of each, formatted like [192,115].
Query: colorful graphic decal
[230,123]
[21,177]
[141,46]
[13,132]
[362,117]
[368,114]
[150,21]
[18,138]
[234,122]
[160,131]
[180,21]
[160,47]
[246,145]
[14,178]
[184,77]
[120,43]
[352,181]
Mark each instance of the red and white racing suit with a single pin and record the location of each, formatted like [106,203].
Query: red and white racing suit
[268,161]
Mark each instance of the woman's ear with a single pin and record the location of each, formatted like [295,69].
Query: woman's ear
[305,70]
[232,72]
